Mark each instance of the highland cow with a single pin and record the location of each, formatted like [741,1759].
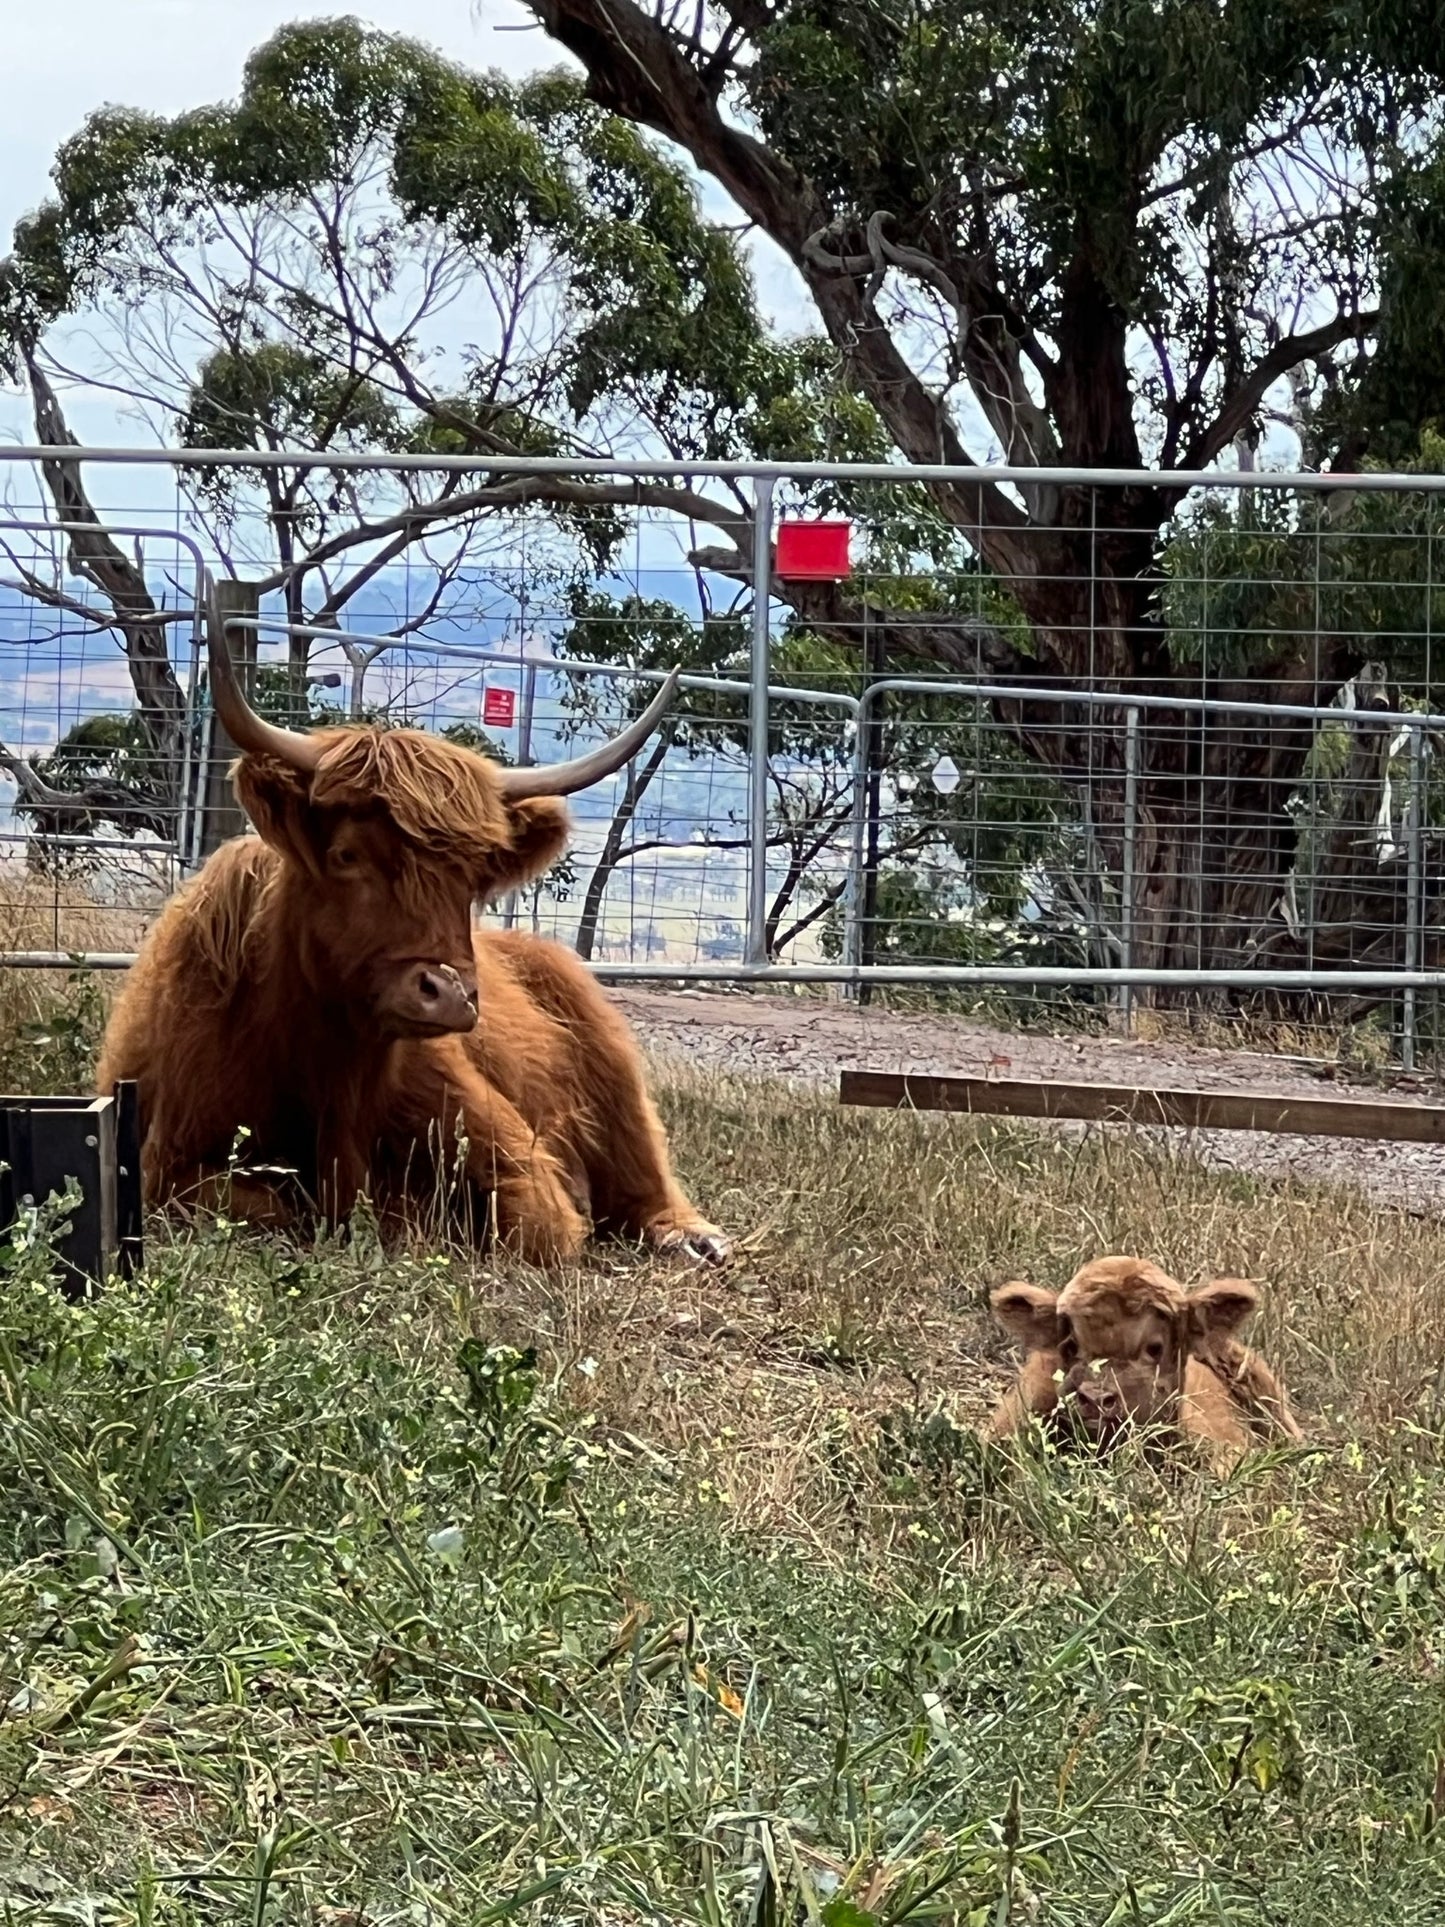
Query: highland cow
[313,1018]
[1124,1346]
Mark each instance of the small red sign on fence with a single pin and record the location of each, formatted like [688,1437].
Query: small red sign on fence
[499,707]
[816,551]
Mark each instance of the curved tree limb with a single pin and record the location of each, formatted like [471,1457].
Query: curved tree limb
[77,812]
[1290,352]
[636,68]
[95,556]
[966,645]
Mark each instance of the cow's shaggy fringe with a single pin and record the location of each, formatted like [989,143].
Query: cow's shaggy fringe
[442,796]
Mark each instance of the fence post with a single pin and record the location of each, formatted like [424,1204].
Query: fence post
[221,815]
[188,813]
[524,758]
[757,947]
[1414,831]
[1126,880]
[875,669]
[853,893]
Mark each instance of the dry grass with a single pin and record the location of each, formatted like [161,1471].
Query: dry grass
[1364,1047]
[871,1242]
[48,1018]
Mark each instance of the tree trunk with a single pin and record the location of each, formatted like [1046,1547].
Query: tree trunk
[94,555]
[1217,821]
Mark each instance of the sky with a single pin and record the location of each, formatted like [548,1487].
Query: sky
[165,56]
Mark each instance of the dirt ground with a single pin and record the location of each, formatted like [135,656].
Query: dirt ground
[809,1040]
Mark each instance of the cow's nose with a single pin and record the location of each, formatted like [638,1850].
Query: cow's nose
[445,997]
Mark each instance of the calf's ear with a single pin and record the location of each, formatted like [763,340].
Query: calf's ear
[1219,1308]
[1029,1314]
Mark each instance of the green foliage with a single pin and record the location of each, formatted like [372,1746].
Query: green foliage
[957,870]
[104,749]
[1400,390]
[1137,144]
[367,145]
[1311,572]
[56,1050]
[279,394]
[1120,210]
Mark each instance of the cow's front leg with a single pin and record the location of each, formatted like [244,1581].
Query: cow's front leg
[619,1140]
[536,1215]
[247,1198]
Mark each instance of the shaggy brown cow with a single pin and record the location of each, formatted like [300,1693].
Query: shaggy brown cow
[1124,1345]
[320,989]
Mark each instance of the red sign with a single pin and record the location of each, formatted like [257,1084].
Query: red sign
[816,551]
[499,706]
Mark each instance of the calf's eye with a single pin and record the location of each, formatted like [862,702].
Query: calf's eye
[1154,1350]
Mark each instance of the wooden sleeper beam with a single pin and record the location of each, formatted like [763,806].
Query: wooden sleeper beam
[1125,1104]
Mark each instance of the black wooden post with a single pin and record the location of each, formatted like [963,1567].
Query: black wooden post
[129,1205]
[45,1142]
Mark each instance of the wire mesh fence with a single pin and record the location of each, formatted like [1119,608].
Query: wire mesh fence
[1197,760]
[96,738]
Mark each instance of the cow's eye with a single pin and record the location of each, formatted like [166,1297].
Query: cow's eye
[344,859]
[1154,1350]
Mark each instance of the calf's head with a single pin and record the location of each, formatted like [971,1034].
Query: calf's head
[1122,1332]
[387,838]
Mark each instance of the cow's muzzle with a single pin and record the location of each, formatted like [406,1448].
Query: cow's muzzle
[429,1000]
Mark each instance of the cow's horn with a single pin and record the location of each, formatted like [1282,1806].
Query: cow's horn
[564,779]
[251,733]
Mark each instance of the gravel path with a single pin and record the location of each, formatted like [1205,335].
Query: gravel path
[810,1041]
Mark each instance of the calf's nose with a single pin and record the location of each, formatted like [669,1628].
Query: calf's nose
[1099,1401]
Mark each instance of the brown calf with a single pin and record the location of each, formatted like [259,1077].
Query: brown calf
[1124,1345]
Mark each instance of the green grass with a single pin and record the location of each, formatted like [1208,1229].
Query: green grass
[321,1602]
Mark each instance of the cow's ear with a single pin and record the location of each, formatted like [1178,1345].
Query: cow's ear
[278,802]
[539,828]
[1029,1314]
[1219,1308]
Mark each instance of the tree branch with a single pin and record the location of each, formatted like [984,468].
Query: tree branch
[76,812]
[635,68]
[554,490]
[968,645]
[97,558]
[1240,407]
[805,921]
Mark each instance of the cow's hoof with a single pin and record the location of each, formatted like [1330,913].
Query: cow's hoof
[699,1244]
